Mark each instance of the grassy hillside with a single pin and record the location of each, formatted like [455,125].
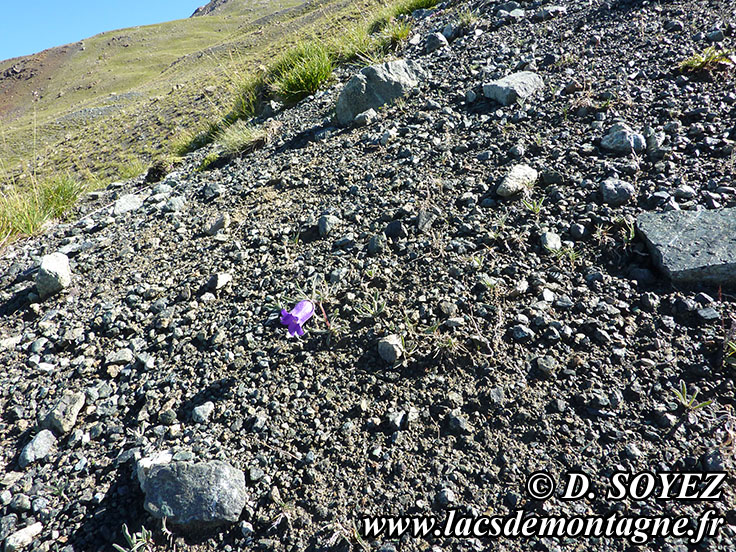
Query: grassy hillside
[105,107]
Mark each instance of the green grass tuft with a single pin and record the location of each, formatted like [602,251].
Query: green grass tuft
[241,137]
[24,211]
[302,71]
[194,140]
[708,60]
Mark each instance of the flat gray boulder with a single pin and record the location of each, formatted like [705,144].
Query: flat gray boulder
[126,204]
[195,495]
[514,87]
[375,86]
[693,247]
[53,275]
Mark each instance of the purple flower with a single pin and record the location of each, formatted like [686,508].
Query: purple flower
[297,317]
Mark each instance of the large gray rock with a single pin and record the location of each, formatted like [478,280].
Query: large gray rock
[693,247]
[622,140]
[54,274]
[195,495]
[375,86]
[514,87]
[64,414]
[39,448]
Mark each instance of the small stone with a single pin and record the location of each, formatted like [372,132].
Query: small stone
[167,417]
[175,204]
[435,41]
[376,244]
[53,275]
[708,314]
[64,414]
[622,140]
[521,333]
[396,420]
[547,365]
[195,495]
[551,241]
[457,422]
[390,348]
[20,539]
[616,192]
[126,204]
[375,86]
[201,414]
[222,222]
[514,87]
[327,223]
[219,281]
[520,178]
[365,118]
[446,497]
[39,448]
[396,230]
[123,357]
[246,529]
[693,247]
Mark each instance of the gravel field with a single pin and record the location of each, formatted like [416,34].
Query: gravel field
[498,290]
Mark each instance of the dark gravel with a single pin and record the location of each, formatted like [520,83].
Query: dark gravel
[512,357]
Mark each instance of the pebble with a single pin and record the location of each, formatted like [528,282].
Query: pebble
[201,414]
[39,448]
[390,348]
[54,275]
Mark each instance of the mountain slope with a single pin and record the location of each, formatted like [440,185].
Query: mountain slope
[117,96]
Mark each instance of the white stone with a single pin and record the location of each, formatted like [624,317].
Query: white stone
[126,204]
[24,537]
[519,179]
[54,275]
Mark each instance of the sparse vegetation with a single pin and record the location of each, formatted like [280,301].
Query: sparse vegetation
[302,71]
[709,59]
[141,541]
[24,211]
[241,138]
[686,400]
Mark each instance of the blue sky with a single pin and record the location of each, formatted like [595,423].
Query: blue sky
[27,28]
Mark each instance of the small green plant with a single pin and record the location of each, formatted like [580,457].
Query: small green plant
[24,211]
[688,401]
[193,140]
[137,542]
[249,95]
[373,307]
[568,253]
[241,137]
[709,59]
[394,34]
[628,230]
[208,161]
[731,353]
[466,18]
[534,206]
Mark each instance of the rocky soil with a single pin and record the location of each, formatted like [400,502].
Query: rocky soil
[486,305]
